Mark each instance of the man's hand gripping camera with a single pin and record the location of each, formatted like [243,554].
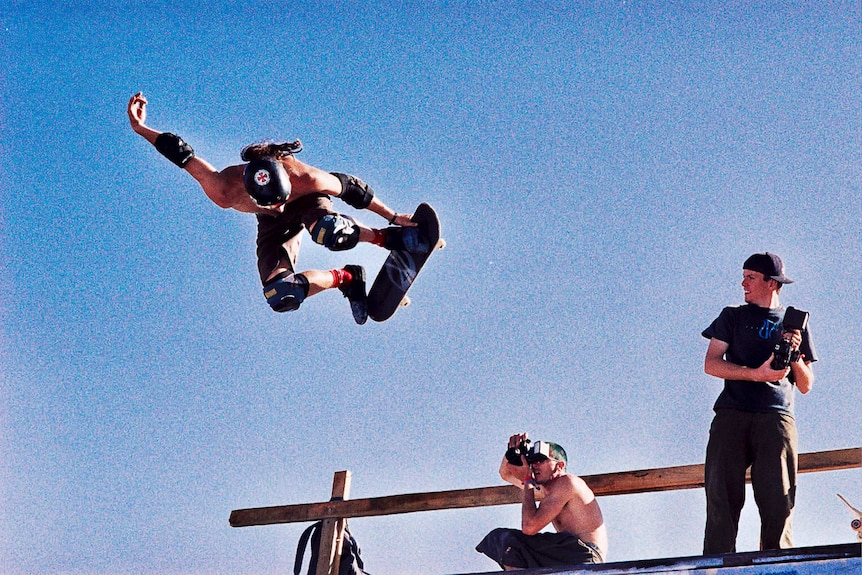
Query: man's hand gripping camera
[513,454]
[794,319]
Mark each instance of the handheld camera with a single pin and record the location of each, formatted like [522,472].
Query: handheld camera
[784,354]
[513,454]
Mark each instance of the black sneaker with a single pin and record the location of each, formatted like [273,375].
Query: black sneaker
[355,293]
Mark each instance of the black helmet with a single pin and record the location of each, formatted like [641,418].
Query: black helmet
[267,182]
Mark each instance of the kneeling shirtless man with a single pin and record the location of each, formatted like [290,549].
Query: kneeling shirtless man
[287,195]
[567,503]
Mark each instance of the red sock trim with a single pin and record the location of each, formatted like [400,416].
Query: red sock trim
[379,238]
[341,277]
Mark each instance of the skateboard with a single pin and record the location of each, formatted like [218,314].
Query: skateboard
[399,271]
[856,524]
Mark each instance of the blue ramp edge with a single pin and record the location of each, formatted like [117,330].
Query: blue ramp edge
[832,559]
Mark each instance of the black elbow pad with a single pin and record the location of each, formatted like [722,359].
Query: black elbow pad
[174,148]
[355,192]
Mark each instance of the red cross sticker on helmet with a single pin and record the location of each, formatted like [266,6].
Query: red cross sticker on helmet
[262,177]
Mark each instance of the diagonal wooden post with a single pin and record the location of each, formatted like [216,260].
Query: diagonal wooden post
[332,530]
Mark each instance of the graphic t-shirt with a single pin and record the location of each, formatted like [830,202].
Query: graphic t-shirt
[751,333]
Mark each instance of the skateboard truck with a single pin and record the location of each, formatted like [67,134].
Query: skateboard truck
[856,524]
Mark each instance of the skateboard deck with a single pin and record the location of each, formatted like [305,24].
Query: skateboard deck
[399,271]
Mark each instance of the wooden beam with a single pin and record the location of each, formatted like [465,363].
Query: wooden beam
[373,506]
[691,476]
[606,484]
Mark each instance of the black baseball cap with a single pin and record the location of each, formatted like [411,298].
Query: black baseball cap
[770,265]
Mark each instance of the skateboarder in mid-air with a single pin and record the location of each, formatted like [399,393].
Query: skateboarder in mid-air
[286,196]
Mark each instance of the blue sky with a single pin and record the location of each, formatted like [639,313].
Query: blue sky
[601,170]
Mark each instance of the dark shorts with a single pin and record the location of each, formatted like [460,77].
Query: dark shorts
[279,236]
[512,548]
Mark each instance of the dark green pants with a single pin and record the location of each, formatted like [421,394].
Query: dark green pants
[513,548]
[765,442]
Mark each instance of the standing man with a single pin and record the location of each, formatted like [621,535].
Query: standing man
[754,422]
[567,503]
[288,196]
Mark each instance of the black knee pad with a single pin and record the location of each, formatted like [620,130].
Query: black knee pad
[286,292]
[336,232]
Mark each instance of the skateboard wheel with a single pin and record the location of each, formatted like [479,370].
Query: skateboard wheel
[856,524]
[441,243]
[404,302]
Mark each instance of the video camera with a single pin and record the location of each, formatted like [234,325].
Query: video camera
[784,354]
[513,454]
[535,453]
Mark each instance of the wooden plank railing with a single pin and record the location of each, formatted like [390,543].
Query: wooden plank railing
[605,484]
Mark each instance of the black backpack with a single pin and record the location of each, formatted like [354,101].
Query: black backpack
[351,563]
